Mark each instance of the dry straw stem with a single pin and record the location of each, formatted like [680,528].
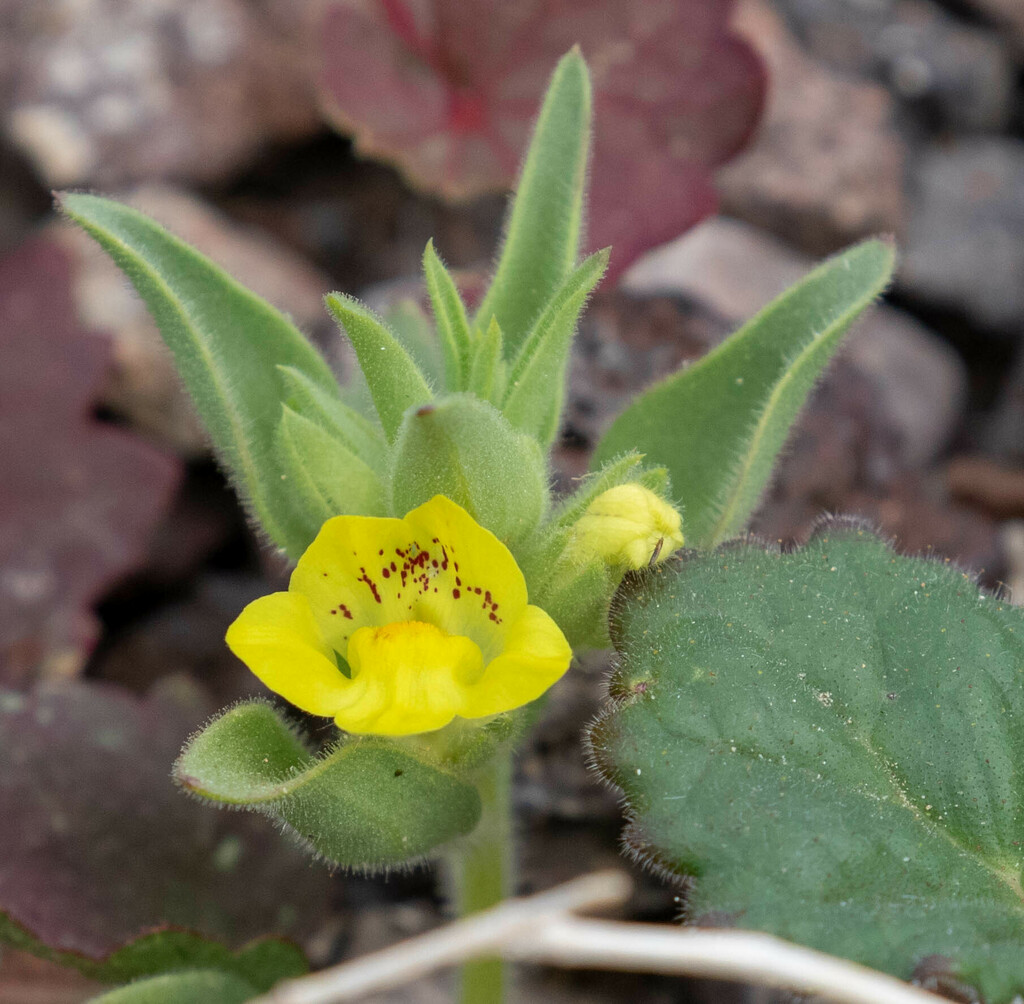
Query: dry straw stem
[541,929]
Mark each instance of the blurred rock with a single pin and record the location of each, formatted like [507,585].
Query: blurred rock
[24,979]
[959,75]
[187,637]
[1007,13]
[80,498]
[1003,432]
[110,92]
[964,248]
[734,270]
[22,200]
[827,166]
[988,485]
[144,386]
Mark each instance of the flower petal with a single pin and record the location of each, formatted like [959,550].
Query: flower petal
[488,591]
[411,678]
[437,565]
[536,656]
[277,637]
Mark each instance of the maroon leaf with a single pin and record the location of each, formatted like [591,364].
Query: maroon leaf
[447,91]
[79,498]
[98,844]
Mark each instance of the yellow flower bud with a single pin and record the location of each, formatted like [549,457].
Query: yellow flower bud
[628,526]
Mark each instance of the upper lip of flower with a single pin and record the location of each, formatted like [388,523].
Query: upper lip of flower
[479,648]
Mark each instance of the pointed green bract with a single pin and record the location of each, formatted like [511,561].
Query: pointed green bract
[330,413]
[536,383]
[411,325]
[366,803]
[487,372]
[450,318]
[464,448]
[394,379]
[226,342]
[542,234]
[324,477]
[719,424]
[831,741]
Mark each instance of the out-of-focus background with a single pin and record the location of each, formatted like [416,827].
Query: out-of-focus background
[310,145]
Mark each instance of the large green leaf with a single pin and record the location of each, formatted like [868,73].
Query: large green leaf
[542,235]
[719,425]
[832,742]
[227,344]
[366,803]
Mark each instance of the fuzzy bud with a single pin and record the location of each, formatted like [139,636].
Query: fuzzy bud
[628,527]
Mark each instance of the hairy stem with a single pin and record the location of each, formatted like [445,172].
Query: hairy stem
[482,872]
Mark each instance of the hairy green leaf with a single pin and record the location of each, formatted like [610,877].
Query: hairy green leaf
[324,477]
[330,413]
[542,234]
[832,742]
[413,328]
[464,448]
[487,371]
[395,380]
[168,950]
[450,318]
[184,987]
[366,803]
[536,385]
[227,344]
[719,425]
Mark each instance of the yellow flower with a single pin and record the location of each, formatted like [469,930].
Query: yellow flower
[397,626]
[628,527]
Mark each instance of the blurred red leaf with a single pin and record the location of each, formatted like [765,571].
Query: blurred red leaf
[78,498]
[447,91]
[98,844]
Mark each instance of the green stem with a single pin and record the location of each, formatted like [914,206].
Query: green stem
[482,869]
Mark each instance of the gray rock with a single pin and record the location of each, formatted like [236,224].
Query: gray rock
[1009,15]
[827,164]
[964,243]
[111,92]
[926,57]
[734,270]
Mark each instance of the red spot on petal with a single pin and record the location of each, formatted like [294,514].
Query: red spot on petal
[370,583]
[455,594]
[386,572]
